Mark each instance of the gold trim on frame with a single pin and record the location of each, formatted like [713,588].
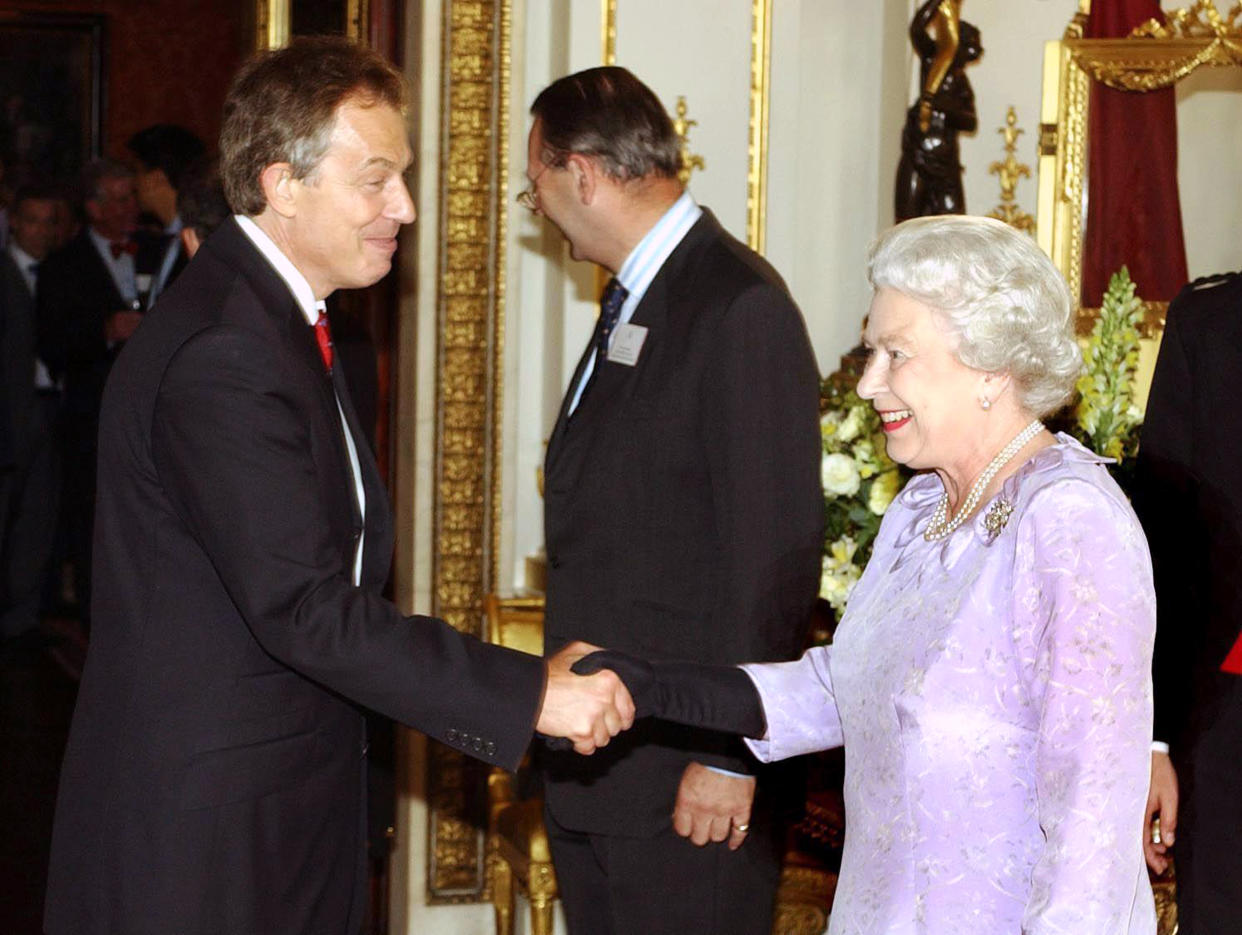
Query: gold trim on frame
[357,19]
[1137,63]
[272,24]
[466,473]
[608,32]
[757,146]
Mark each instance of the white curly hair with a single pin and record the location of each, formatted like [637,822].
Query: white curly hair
[998,292]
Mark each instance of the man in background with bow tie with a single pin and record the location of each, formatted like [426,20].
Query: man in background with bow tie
[683,512]
[214,778]
[91,295]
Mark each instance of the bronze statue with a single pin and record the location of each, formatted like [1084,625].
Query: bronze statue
[929,176]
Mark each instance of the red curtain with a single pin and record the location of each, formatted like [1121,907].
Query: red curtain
[1134,216]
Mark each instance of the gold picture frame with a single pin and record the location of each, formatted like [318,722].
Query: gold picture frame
[1154,56]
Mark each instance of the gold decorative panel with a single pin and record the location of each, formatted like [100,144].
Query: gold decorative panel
[757,149]
[1154,57]
[470,308]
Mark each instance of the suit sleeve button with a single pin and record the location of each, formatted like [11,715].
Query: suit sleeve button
[478,744]
[491,748]
[452,735]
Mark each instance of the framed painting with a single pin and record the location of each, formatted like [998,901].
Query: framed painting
[51,93]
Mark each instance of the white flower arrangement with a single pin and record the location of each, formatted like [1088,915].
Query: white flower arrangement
[859,481]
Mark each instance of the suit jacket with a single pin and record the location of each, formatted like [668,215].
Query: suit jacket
[214,776]
[683,511]
[1189,499]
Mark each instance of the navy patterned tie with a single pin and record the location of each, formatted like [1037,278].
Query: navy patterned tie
[610,304]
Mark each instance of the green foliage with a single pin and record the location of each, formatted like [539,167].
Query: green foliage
[1106,419]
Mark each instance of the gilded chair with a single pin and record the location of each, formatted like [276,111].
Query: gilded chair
[517,846]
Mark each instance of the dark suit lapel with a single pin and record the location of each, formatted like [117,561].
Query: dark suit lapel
[378,521]
[556,441]
[274,296]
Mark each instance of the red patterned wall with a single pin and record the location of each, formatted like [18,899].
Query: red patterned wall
[165,61]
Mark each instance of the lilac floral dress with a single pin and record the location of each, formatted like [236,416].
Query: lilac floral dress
[993,693]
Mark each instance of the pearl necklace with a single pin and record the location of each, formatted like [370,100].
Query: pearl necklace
[940,525]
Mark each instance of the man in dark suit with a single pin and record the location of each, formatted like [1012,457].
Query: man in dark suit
[90,301]
[683,511]
[164,153]
[31,491]
[214,776]
[1188,498]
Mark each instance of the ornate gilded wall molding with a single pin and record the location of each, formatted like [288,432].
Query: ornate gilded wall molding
[757,147]
[608,32]
[1202,20]
[1008,171]
[466,476]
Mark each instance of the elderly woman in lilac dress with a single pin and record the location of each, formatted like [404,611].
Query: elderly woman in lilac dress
[991,678]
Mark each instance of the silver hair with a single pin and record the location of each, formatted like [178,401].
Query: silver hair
[999,294]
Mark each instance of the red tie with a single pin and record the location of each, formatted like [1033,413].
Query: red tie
[119,247]
[1233,662]
[324,336]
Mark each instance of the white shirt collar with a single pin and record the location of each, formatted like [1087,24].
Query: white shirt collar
[302,292]
[23,261]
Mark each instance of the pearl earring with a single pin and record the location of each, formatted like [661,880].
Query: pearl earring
[985,403]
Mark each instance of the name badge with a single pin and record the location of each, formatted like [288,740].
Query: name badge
[627,342]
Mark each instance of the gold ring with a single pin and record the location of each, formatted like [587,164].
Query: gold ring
[742,828]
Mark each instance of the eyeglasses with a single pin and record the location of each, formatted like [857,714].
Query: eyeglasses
[528,198]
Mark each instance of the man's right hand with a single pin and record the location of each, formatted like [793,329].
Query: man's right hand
[1161,806]
[120,326]
[587,709]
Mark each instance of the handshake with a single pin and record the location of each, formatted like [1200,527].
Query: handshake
[592,695]
[588,710]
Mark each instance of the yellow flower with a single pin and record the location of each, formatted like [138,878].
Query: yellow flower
[883,489]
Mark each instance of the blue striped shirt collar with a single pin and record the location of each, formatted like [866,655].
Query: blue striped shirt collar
[646,259]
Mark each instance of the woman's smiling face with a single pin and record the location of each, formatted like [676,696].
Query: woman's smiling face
[927,399]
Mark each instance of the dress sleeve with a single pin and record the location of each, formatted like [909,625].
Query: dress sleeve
[799,705]
[1083,593]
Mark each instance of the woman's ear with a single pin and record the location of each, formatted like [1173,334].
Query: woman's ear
[995,383]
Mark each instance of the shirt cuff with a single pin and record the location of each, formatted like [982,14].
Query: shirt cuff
[1159,746]
[728,772]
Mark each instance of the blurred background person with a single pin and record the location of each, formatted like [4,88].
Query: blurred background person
[89,303]
[163,153]
[31,492]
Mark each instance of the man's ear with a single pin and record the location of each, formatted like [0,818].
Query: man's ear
[585,174]
[279,188]
[190,241]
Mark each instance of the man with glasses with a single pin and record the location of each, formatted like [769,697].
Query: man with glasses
[683,512]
